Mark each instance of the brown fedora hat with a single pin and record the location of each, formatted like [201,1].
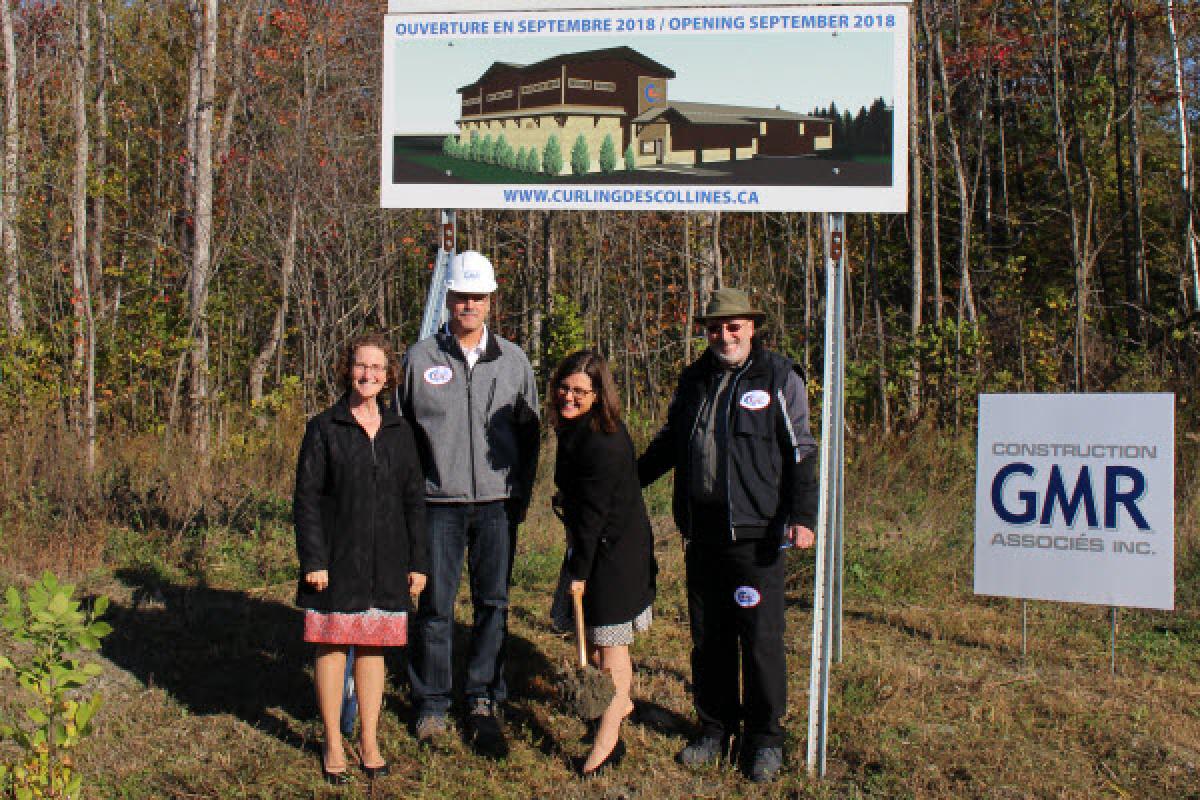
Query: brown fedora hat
[726,303]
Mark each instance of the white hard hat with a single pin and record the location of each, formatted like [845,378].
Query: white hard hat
[471,273]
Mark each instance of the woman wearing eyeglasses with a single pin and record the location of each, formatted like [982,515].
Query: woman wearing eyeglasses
[610,545]
[359,511]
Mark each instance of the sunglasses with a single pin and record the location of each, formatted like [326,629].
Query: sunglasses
[731,327]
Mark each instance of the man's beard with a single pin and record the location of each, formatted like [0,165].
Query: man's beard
[733,359]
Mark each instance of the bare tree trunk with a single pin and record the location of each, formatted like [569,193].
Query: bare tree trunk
[1185,166]
[532,322]
[1064,166]
[1135,149]
[690,315]
[11,176]
[100,164]
[237,70]
[287,266]
[915,227]
[549,279]
[966,295]
[935,236]
[198,284]
[877,305]
[810,277]
[717,265]
[83,363]
[1133,317]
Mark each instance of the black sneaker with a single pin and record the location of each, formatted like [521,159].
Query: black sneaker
[765,763]
[704,749]
[483,730]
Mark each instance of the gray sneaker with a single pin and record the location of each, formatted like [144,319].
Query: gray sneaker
[430,727]
[765,764]
[704,749]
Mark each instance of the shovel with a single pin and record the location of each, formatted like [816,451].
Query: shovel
[587,691]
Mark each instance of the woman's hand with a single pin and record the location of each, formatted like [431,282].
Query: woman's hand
[318,579]
[578,587]
[416,583]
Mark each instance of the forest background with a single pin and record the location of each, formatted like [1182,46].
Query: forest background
[190,229]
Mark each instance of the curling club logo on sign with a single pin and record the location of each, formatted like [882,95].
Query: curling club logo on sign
[653,95]
[437,376]
[756,400]
[746,596]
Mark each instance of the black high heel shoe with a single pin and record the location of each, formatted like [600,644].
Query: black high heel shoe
[382,771]
[615,757]
[339,778]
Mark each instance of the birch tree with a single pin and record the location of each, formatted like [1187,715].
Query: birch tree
[10,177]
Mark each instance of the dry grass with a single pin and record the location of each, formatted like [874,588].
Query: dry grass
[208,690]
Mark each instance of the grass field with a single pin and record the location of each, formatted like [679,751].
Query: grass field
[208,690]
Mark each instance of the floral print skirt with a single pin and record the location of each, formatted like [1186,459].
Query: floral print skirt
[373,628]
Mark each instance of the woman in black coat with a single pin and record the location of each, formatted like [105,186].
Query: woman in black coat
[359,510]
[610,556]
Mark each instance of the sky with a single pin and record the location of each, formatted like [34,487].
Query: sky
[798,71]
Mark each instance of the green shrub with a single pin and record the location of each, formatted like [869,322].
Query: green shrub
[608,155]
[54,627]
[504,153]
[630,159]
[533,162]
[552,157]
[581,159]
[521,161]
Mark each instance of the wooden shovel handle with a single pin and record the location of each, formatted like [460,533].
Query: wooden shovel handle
[577,602]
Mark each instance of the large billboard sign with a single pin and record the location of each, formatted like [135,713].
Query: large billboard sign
[1075,498]
[767,107]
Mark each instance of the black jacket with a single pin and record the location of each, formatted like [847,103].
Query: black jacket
[609,535]
[769,449]
[359,509]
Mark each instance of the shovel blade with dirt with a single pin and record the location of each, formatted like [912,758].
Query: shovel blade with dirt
[587,691]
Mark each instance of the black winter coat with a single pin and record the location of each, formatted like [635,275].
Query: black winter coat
[359,510]
[609,535]
[771,455]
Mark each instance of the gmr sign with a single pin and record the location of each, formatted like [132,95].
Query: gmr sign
[1017,496]
[1074,498]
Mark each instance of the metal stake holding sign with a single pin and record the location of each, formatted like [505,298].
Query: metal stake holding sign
[435,303]
[827,585]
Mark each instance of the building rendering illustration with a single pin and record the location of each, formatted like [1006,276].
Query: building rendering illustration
[617,92]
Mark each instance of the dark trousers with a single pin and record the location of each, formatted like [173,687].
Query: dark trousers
[480,532]
[735,605]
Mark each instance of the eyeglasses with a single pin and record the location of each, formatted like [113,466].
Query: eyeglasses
[377,369]
[576,392]
[731,327]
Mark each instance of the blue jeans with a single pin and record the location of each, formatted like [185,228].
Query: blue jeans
[480,531]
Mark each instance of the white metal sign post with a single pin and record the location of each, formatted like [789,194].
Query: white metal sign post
[435,303]
[827,584]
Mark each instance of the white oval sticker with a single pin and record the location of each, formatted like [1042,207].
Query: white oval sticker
[436,376]
[756,400]
[746,596]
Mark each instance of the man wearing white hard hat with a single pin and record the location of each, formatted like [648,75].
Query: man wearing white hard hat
[472,400]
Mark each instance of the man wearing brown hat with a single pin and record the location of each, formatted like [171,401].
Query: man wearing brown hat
[737,436]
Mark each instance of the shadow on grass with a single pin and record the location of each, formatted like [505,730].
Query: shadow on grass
[216,651]
[219,651]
